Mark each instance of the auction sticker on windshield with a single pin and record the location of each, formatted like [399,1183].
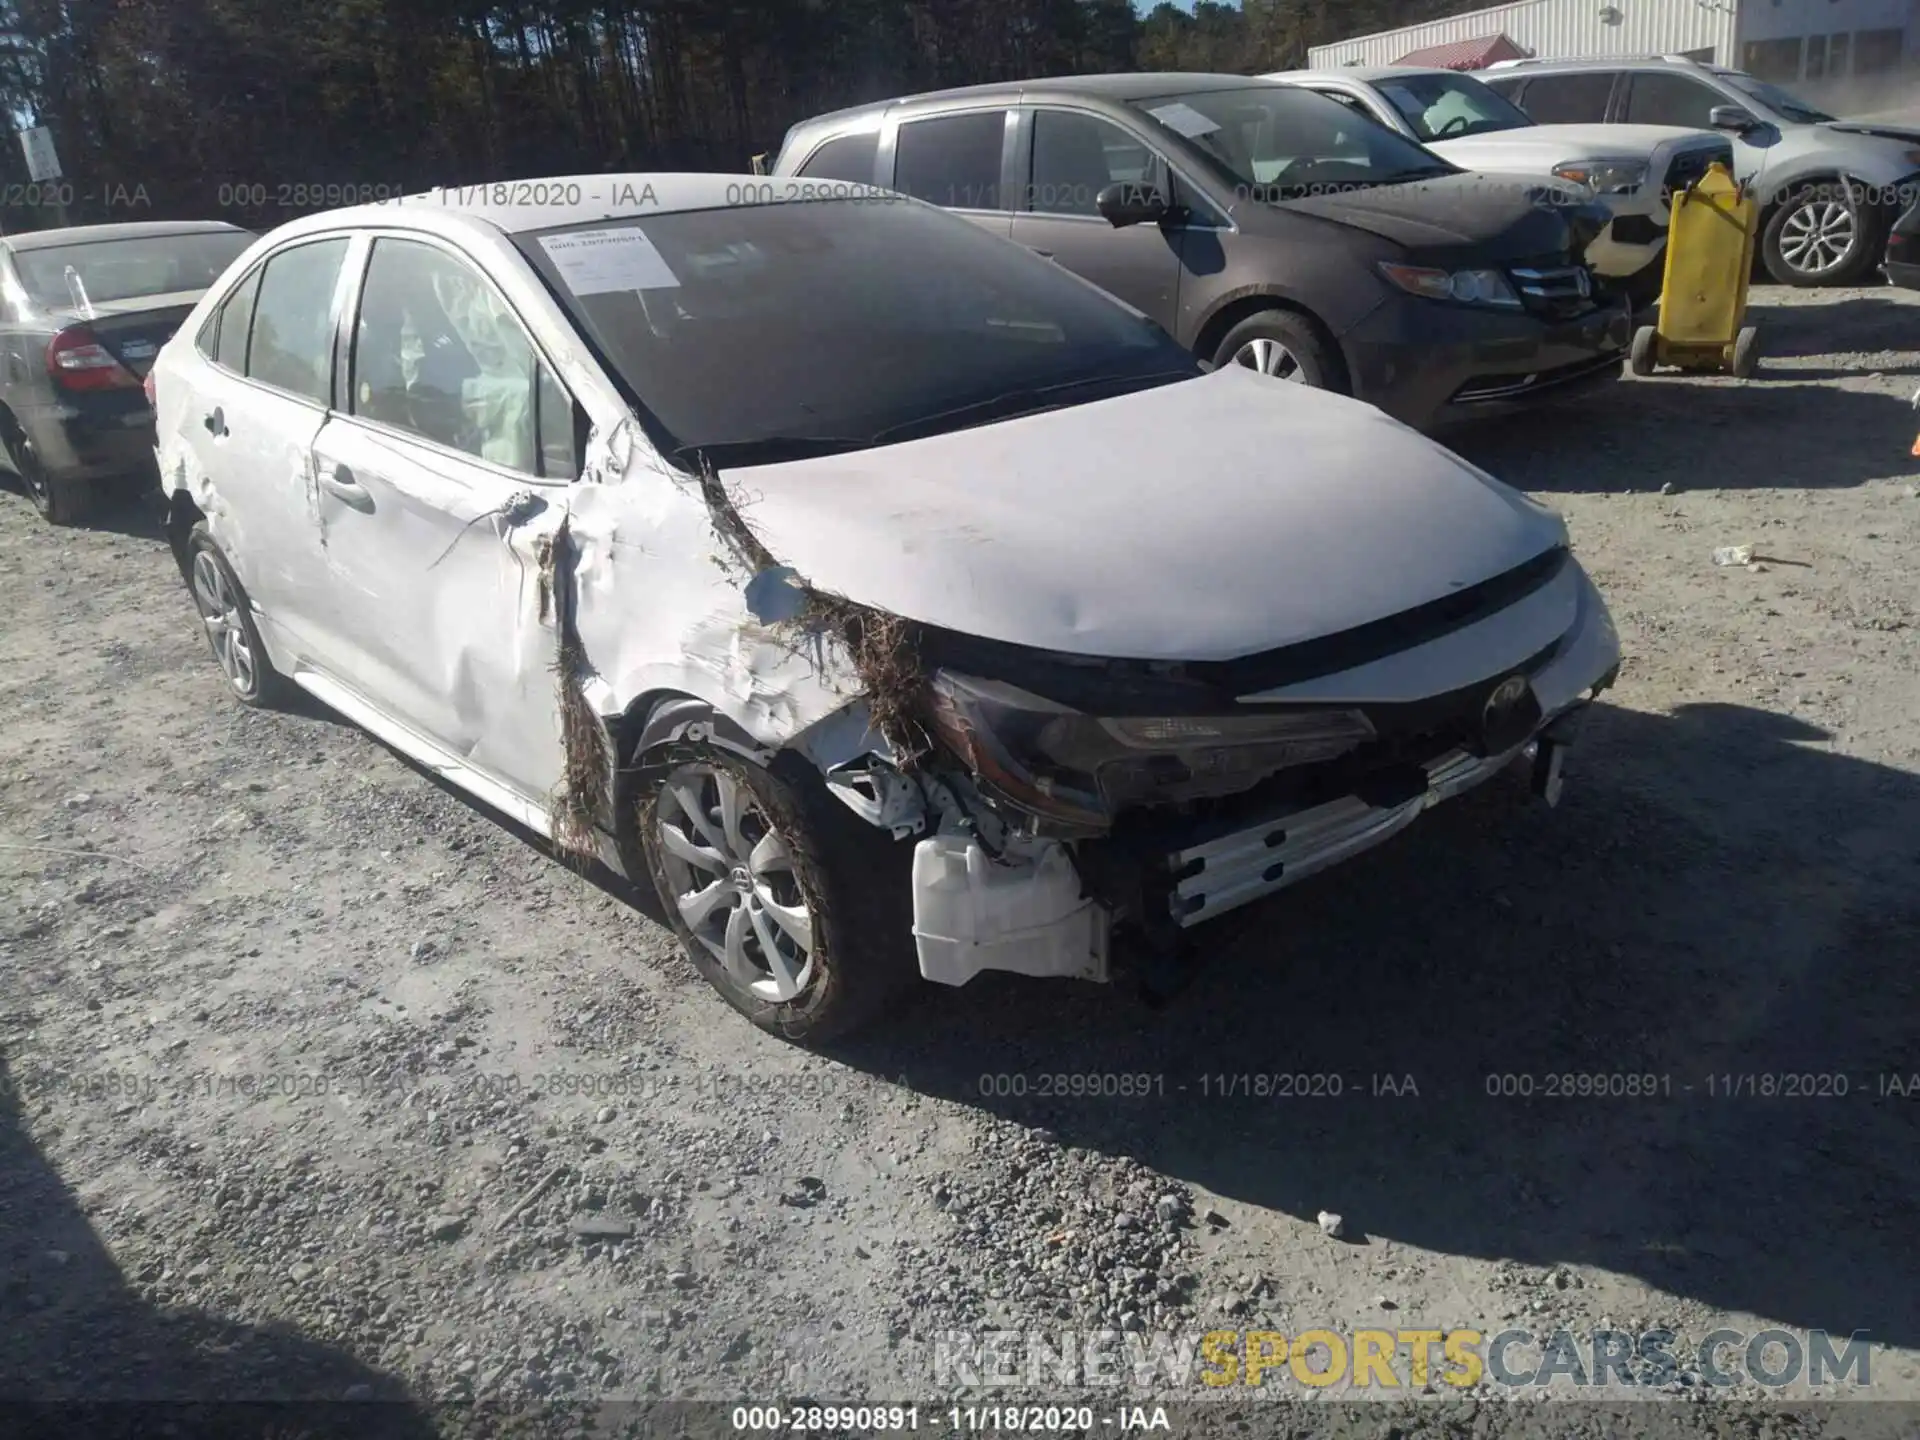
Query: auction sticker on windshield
[601,262]
[1183,119]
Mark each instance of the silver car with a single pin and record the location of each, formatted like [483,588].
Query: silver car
[1829,189]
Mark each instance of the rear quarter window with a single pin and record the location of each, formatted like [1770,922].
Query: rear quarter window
[845,157]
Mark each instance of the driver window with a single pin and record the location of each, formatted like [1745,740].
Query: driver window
[1076,156]
[437,353]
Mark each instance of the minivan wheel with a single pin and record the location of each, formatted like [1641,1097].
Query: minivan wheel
[227,616]
[1823,235]
[794,909]
[1281,344]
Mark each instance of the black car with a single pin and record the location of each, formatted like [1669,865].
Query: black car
[1262,225]
[83,311]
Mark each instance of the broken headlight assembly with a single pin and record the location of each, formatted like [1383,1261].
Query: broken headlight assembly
[1078,771]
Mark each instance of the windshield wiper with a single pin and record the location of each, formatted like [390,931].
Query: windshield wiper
[1031,400]
[769,449]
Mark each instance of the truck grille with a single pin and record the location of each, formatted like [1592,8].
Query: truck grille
[1556,291]
[1689,165]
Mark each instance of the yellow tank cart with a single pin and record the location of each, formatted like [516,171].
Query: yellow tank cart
[1703,303]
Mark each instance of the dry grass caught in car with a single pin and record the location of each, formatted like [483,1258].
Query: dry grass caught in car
[583,794]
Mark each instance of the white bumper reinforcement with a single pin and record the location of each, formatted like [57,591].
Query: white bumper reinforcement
[1250,863]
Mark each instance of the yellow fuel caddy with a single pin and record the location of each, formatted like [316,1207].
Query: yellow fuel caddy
[1703,301]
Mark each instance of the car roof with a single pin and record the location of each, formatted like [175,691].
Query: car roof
[125,230]
[1365,74]
[518,207]
[1610,62]
[1136,85]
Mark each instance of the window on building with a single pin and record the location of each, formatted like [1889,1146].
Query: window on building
[1777,60]
[1877,51]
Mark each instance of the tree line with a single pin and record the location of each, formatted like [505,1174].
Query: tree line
[257,110]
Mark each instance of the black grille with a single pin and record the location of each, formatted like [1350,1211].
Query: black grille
[1689,165]
[1554,289]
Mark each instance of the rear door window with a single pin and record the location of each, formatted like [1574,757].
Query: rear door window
[845,157]
[1658,98]
[952,160]
[1578,99]
[292,342]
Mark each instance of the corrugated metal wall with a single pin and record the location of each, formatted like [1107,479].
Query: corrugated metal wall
[1557,29]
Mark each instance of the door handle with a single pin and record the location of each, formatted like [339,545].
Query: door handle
[216,423]
[1044,254]
[339,482]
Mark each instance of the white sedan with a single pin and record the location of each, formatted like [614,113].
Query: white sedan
[876,587]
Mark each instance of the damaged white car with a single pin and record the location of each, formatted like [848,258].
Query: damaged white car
[873,584]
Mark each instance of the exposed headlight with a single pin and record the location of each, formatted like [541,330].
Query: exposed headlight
[1622,176]
[1078,770]
[1469,287]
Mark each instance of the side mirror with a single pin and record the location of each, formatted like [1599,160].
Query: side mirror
[1736,118]
[1131,203]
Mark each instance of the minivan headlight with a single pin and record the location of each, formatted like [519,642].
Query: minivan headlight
[1078,770]
[1467,287]
[1621,176]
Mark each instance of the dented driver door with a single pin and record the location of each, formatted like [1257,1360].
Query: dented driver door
[437,502]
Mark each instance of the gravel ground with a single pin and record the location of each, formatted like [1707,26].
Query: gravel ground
[331,1085]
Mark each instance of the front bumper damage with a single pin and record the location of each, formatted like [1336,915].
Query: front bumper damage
[986,899]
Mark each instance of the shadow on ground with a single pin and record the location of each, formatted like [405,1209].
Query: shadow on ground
[1782,429]
[82,1352]
[1715,898]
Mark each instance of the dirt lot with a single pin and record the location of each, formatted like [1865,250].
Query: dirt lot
[279,1076]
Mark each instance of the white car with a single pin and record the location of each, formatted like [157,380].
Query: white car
[876,586]
[1631,169]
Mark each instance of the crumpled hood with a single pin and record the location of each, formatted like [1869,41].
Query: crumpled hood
[1202,520]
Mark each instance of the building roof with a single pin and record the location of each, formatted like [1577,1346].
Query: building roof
[1475,54]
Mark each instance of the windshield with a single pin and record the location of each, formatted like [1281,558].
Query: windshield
[1287,142]
[131,269]
[814,326]
[1783,103]
[1445,107]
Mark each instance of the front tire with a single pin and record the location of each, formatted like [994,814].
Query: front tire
[226,614]
[1282,344]
[1825,234]
[793,908]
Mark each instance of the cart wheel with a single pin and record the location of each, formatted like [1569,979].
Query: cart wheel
[1640,353]
[1746,353]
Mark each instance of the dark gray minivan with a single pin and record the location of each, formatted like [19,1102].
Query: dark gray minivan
[1263,225]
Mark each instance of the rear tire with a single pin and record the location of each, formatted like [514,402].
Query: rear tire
[1824,234]
[744,858]
[1285,345]
[226,614]
[60,501]
[1640,353]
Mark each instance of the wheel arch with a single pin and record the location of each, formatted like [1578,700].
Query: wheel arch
[652,720]
[1215,327]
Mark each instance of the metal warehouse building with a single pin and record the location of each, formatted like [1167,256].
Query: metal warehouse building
[1780,40]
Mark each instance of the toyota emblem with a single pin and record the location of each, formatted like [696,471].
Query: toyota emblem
[1507,694]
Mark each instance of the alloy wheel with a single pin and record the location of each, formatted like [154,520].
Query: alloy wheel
[1819,236]
[220,612]
[733,881]
[1270,357]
